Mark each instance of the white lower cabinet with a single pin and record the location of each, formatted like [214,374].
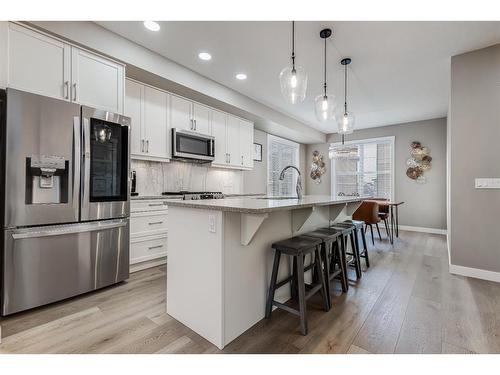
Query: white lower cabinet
[148,233]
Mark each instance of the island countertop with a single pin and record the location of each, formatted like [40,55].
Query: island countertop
[256,205]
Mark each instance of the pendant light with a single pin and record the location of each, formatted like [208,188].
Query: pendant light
[346,120]
[293,79]
[324,104]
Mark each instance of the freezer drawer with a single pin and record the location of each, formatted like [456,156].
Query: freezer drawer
[47,264]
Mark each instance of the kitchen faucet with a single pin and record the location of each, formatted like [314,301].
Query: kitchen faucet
[298,186]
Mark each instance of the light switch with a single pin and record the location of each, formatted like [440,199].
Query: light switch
[211,224]
[487,183]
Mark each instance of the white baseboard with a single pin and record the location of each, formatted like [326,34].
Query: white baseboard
[475,273]
[423,230]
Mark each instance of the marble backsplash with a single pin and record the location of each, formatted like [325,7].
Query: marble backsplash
[155,177]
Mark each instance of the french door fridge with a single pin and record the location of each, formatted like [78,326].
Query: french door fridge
[64,199]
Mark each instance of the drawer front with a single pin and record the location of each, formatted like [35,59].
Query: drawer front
[144,224]
[148,205]
[141,251]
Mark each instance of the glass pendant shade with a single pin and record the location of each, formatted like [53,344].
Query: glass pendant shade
[346,123]
[324,106]
[293,82]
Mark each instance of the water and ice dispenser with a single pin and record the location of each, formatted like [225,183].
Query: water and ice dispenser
[47,178]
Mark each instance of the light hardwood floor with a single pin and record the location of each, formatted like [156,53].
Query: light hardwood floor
[407,302]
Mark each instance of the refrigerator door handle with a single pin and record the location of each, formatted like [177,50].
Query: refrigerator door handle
[85,183]
[77,157]
[61,230]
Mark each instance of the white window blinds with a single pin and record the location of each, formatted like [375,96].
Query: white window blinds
[363,168]
[280,153]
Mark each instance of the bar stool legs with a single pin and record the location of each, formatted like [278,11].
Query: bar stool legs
[272,284]
[298,247]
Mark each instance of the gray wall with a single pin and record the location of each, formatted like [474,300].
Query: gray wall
[474,127]
[255,181]
[425,204]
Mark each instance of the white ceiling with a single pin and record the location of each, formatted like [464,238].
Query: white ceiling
[400,70]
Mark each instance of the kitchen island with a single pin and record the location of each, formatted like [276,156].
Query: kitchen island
[220,256]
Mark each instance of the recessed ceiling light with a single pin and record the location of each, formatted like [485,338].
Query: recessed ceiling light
[151,25]
[241,76]
[205,56]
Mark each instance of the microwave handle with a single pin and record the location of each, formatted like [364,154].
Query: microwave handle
[212,147]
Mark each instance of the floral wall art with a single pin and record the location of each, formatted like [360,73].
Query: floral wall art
[419,162]
[318,167]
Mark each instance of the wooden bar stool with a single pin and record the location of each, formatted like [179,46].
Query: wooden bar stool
[334,261]
[348,234]
[363,253]
[298,247]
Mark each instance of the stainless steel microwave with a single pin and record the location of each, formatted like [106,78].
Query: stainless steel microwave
[191,146]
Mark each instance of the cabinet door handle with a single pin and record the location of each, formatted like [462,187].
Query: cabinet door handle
[156,223]
[142,145]
[155,247]
[156,204]
[191,121]
[147,146]
[66,90]
[241,159]
[74,92]
[195,125]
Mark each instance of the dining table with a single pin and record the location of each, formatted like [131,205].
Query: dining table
[393,214]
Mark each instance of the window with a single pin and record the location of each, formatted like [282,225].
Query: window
[364,168]
[280,153]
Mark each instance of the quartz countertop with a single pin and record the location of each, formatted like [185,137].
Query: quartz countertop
[255,205]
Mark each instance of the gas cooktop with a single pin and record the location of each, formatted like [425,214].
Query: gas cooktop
[195,195]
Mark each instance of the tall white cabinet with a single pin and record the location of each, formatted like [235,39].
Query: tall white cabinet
[47,66]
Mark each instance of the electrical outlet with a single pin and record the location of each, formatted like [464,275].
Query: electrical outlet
[487,183]
[211,224]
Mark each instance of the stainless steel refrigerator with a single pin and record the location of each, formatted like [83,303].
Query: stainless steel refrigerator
[64,199]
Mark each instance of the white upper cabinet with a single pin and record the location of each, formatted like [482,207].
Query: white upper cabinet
[96,82]
[219,133]
[134,108]
[201,118]
[233,140]
[147,107]
[246,143]
[180,113]
[38,64]
[155,123]
[47,66]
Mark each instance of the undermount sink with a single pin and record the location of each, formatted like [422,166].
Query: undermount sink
[273,198]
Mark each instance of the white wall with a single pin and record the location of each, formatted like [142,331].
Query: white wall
[474,126]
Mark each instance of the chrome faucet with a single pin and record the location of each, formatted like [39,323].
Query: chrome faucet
[298,186]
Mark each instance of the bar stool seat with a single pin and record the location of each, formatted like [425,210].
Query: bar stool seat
[298,247]
[332,256]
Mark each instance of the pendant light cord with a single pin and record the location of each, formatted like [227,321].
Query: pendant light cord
[293,46]
[324,84]
[345,88]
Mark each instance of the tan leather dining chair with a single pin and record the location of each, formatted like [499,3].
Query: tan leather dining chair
[368,212]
